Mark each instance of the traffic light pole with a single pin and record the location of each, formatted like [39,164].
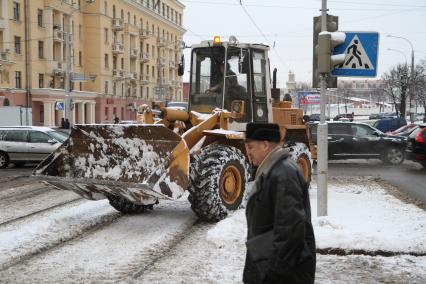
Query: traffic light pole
[68,100]
[322,140]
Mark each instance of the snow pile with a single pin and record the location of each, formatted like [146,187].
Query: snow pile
[361,217]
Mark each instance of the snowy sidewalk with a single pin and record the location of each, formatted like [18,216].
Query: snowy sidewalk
[363,218]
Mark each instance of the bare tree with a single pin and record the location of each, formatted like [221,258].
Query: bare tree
[420,86]
[396,86]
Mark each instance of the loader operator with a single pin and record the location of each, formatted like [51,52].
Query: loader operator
[233,91]
[231,79]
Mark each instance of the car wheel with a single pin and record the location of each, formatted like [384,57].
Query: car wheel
[393,156]
[4,160]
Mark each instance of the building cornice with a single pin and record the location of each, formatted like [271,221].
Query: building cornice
[155,15]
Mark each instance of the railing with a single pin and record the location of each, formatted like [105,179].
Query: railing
[161,41]
[144,56]
[144,33]
[117,47]
[172,65]
[117,73]
[144,78]
[58,35]
[161,61]
[117,24]
[134,53]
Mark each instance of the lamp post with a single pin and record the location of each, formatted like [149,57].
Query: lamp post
[412,75]
[399,51]
[68,44]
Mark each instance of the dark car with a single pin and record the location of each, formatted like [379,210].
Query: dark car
[416,145]
[389,123]
[349,116]
[351,140]
[316,117]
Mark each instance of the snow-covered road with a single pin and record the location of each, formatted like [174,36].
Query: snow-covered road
[88,241]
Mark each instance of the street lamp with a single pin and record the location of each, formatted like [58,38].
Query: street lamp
[412,75]
[68,42]
[399,51]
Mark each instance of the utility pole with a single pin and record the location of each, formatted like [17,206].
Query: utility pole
[322,166]
[68,100]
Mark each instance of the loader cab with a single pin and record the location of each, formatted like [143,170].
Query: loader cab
[221,74]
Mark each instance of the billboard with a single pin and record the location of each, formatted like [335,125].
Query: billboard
[308,98]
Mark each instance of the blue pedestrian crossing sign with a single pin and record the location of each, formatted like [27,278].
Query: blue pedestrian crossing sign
[361,50]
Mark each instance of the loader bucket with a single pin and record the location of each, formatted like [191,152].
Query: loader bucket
[141,163]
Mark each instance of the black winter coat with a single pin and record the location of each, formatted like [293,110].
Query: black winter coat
[281,205]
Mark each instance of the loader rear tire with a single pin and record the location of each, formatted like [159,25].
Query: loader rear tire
[218,182]
[125,206]
[299,152]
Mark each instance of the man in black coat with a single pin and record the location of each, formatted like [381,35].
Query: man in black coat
[280,237]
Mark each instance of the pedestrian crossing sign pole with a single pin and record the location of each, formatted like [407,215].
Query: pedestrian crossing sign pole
[361,50]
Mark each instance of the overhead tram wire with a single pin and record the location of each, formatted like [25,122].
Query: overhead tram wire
[261,32]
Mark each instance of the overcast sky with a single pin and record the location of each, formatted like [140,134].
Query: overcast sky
[289,24]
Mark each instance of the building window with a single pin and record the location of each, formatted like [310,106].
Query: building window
[106,87]
[79,31]
[40,49]
[106,35]
[41,80]
[80,58]
[17,45]
[18,83]
[106,113]
[147,92]
[114,88]
[168,15]
[40,17]
[122,63]
[153,72]
[16,11]
[81,86]
[106,61]
[141,94]
[164,10]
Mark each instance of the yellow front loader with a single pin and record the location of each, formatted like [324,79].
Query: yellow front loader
[172,150]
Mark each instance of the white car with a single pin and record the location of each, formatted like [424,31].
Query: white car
[24,144]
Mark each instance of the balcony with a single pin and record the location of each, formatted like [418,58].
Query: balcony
[117,74]
[144,78]
[134,53]
[117,24]
[5,57]
[161,41]
[144,34]
[172,65]
[144,56]
[132,76]
[58,68]
[117,47]
[161,61]
[58,35]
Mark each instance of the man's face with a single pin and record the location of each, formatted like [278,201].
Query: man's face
[257,151]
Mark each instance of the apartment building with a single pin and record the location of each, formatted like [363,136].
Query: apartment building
[123,53]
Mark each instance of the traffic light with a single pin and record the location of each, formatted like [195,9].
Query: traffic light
[326,43]
[332,26]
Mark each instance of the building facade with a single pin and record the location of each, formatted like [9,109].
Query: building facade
[122,53]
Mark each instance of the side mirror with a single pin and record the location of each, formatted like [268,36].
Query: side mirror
[181,66]
[237,109]
[52,141]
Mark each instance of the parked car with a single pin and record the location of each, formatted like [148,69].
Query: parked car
[24,144]
[352,140]
[178,105]
[416,145]
[348,116]
[316,117]
[389,123]
[403,130]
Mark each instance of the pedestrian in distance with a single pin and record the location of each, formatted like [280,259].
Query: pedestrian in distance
[116,120]
[280,237]
[63,123]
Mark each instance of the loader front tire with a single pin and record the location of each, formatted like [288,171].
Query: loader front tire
[299,152]
[218,182]
[125,206]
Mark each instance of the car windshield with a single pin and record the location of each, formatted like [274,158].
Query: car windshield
[59,136]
